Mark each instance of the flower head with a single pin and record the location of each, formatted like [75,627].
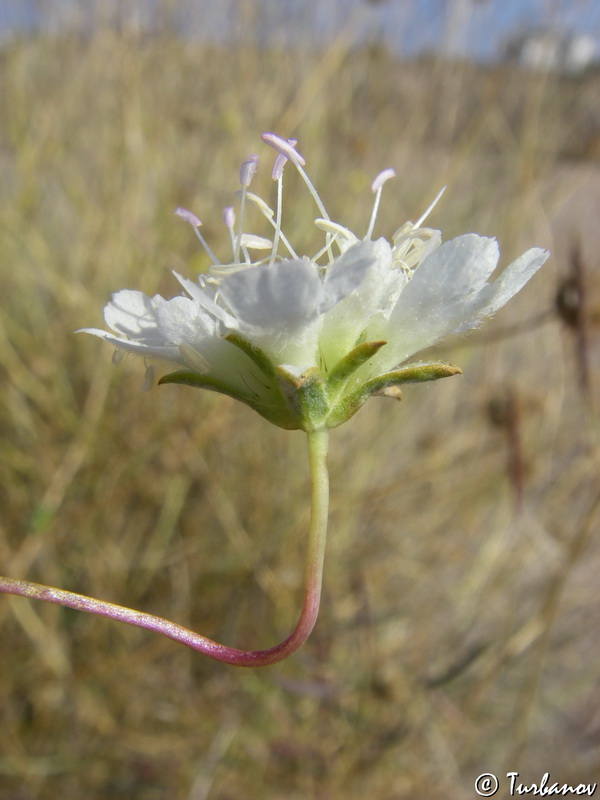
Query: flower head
[305,340]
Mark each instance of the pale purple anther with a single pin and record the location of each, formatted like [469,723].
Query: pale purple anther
[284,146]
[229,217]
[188,216]
[382,178]
[280,162]
[248,169]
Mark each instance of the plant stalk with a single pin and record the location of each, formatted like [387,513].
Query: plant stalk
[317,454]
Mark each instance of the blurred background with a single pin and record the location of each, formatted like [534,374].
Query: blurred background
[459,624]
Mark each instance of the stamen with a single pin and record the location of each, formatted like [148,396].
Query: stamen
[266,210]
[405,229]
[280,161]
[223,270]
[329,226]
[336,234]
[422,219]
[188,216]
[229,217]
[287,149]
[279,164]
[248,169]
[313,191]
[382,178]
[254,242]
[412,246]
[229,220]
[268,213]
[284,146]
[284,240]
[279,213]
[377,187]
[193,220]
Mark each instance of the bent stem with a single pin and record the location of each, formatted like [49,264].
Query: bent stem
[317,453]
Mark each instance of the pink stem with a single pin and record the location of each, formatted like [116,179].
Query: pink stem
[317,446]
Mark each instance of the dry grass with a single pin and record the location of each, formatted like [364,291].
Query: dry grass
[459,625]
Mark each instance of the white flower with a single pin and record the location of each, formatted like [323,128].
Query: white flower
[306,340]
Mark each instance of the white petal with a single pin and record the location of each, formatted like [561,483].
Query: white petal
[162,350]
[192,288]
[274,297]
[495,295]
[347,272]
[433,303]
[455,268]
[204,296]
[420,319]
[344,323]
[132,313]
[181,321]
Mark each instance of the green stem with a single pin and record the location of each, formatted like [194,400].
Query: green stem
[317,453]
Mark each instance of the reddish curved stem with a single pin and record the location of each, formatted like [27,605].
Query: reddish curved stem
[317,448]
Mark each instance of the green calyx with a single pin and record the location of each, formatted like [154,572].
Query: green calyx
[314,400]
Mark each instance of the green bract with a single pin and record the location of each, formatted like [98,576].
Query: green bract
[313,401]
